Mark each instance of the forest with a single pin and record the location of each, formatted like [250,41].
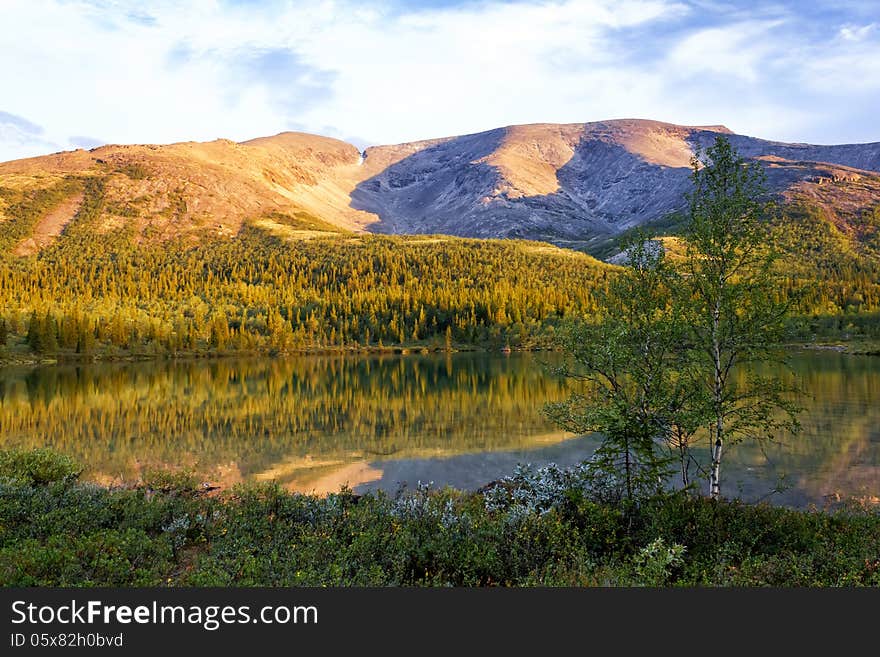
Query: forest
[106,293]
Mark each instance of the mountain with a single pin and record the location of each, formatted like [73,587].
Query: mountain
[576,185]
[264,246]
[292,181]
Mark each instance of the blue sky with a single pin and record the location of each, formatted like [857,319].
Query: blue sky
[76,73]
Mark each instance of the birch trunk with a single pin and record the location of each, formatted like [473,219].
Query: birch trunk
[715,473]
[718,395]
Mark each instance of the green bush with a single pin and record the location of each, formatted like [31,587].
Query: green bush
[171,481]
[38,466]
[55,531]
[108,557]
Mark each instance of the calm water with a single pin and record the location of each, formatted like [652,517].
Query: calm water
[315,423]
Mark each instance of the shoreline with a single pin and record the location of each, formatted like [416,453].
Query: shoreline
[527,530]
[851,347]
[410,350]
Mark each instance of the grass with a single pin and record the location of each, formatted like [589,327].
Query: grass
[538,527]
[302,221]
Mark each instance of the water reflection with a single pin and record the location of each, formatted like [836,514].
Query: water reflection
[315,423]
[286,419]
[837,454]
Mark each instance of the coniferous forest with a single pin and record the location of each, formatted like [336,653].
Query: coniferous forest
[106,293]
[98,293]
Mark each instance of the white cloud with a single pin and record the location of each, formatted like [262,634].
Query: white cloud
[857,32]
[83,68]
[739,50]
[849,66]
[125,71]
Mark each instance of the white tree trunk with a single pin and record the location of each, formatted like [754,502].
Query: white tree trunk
[718,394]
[715,472]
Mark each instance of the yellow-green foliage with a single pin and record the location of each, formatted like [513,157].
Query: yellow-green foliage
[22,208]
[834,270]
[104,292]
[302,220]
[106,295]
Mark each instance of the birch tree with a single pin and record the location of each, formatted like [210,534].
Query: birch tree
[727,302]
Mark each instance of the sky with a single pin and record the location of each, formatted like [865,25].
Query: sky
[79,73]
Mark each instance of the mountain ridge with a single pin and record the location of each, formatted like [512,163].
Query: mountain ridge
[576,184]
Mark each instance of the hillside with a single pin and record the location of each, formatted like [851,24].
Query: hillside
[100,296]
[264,246]
[577,185]
[189,189]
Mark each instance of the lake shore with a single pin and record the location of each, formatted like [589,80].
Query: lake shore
[856,346]
[55,531]
[30,359]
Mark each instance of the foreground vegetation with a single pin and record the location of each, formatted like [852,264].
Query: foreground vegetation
[537,527]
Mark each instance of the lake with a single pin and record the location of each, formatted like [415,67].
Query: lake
[314,423]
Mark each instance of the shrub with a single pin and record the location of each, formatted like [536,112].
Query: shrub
[540,527]
[38,467]
[655,561]
[171,481]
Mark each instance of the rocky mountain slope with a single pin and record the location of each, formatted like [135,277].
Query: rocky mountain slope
[575,184]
